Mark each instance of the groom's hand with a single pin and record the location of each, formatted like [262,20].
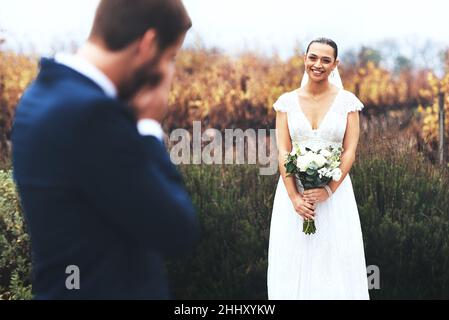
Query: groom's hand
[151,102]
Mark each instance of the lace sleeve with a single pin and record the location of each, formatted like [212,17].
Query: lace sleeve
[353,103]
[281,104]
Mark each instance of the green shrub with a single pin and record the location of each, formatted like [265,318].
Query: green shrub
[403,203]
[14,244]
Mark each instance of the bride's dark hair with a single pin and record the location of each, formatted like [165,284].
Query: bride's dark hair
[327,41]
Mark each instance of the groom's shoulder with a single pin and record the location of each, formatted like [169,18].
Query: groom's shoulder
[70,103]
[64,88]
[72,95]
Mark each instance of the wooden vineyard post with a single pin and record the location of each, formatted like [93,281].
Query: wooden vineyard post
[441,145]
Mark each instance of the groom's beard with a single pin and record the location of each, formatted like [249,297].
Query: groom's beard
[147,75]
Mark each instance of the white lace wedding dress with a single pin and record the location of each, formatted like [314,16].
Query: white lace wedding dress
[329,264]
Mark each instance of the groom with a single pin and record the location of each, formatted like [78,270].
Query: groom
[102,201]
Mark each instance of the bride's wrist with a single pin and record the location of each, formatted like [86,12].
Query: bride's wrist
[295,196]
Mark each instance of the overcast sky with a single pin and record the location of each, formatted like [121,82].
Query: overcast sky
[234,25]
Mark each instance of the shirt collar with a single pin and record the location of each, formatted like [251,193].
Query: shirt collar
[88,70]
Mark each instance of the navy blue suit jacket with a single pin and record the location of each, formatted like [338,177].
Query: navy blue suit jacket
[95,193]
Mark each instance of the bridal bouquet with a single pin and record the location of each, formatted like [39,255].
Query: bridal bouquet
[314,169]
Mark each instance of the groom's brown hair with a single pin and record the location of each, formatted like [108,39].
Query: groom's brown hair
[118,23]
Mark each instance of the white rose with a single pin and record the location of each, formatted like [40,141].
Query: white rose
[336,174]
[303,162]
[319,160]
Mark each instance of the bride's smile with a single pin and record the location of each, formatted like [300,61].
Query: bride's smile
[317,72]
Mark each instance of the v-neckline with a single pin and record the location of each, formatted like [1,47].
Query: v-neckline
[325,115]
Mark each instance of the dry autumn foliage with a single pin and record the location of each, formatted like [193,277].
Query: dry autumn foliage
[238,92]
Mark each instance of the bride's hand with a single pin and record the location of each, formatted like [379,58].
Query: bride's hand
[315,195]
[303,208]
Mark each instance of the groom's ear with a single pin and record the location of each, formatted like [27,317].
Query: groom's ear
[148,45]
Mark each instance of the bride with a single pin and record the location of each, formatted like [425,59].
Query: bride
[329,264]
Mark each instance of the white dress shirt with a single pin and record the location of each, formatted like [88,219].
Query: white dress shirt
[146,127]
